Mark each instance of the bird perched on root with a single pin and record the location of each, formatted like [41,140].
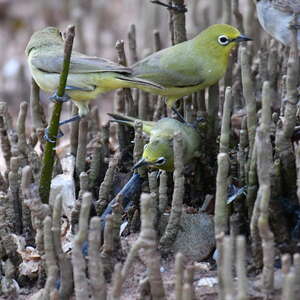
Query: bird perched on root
[277,18]
[88,76]
[190,66]
[158,153]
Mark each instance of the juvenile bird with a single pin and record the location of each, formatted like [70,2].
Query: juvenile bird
[88,75]
[158,153]
[189,66]
[276,18]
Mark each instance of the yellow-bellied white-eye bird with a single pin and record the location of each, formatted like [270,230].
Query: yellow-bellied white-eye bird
[158,153]
[276,18]
[88,76]
[189,66]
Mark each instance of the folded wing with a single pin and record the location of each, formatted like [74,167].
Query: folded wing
[172,67]
[79,64]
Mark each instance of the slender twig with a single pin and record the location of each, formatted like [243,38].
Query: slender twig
[264,165]
[227,267]
[37,113]
[48,159]
[78,260]
[173,225]
[221,210]
[179,267]
[248,92]
[241,273]
[179,22]
[225,129]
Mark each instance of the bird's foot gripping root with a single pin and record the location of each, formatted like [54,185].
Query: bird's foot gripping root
[60,134]
[57,99]
[73,119]
[52,139]
[177,8]
[178,114]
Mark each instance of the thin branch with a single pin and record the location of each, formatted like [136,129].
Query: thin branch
[48,159]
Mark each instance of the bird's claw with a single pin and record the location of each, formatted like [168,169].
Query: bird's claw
[178,114]
[177,8]
[51,140]
[57,99]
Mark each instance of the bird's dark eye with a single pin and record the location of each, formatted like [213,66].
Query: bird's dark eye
[160,161]
[223,40]
[60,34]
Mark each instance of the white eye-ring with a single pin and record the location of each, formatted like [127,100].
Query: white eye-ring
[160,161]
[223,40]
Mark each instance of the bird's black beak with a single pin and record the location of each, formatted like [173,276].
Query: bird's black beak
[140,163]
[242,38]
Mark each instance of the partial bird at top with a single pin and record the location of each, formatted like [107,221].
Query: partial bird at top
[277,16]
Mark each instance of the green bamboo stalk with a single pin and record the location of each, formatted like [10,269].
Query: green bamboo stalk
[49,153]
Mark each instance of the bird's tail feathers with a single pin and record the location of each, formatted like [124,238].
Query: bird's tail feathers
[129,121]
[141,81]
[122,119]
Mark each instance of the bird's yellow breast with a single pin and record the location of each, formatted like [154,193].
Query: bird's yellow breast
[48,82]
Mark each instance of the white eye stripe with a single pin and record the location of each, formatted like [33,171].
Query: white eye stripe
[223,40]
[160,161]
